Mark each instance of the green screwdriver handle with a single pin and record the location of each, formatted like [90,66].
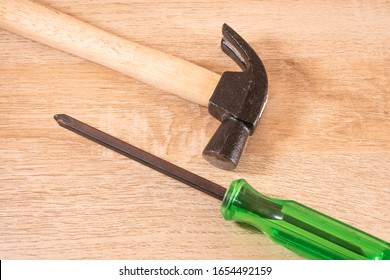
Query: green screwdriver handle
[300,228]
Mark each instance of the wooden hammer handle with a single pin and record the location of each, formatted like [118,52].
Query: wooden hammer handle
[63,32]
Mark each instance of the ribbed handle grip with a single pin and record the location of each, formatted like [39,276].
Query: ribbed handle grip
[299,228]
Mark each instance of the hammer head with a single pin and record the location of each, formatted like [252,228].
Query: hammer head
[238,102]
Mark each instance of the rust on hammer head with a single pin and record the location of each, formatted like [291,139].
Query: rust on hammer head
[238,102]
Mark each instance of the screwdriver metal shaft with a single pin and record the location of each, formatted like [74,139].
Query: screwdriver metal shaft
[141,156]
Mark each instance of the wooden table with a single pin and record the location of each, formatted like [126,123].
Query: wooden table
[323,139]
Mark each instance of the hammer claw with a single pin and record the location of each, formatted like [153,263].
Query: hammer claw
[230,45]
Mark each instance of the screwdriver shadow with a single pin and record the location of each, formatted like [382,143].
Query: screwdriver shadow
[249,228]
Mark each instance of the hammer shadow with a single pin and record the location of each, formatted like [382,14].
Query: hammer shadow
[290,82]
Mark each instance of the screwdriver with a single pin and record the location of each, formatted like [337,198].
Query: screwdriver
[299,228]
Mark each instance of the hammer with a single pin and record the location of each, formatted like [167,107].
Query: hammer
[237,99]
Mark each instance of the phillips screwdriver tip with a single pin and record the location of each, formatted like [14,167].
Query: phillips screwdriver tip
[61,119]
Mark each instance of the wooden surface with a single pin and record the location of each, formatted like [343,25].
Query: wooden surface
[323,139]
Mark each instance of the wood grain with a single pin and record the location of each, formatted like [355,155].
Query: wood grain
[323,139]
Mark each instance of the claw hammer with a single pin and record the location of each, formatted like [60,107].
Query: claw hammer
[237,99]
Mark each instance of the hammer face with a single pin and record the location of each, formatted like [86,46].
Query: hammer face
[238,102]
[225,147]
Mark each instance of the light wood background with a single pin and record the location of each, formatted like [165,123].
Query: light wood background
[323,139]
